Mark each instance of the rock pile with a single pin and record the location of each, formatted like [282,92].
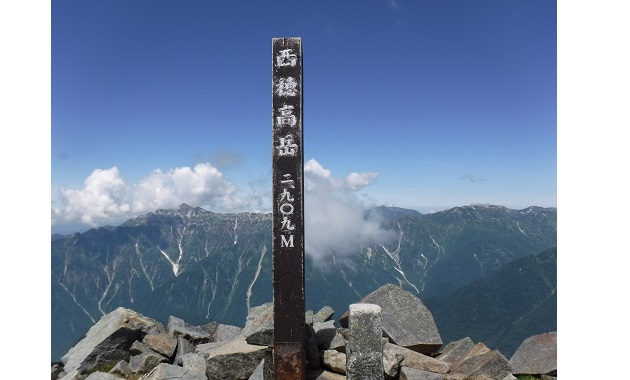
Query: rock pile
[126,345]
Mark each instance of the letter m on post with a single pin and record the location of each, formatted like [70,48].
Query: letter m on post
[286,242]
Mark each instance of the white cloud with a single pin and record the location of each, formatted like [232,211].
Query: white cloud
[316,176]
[107,198]
[104,196]
[357,181]
[334,222]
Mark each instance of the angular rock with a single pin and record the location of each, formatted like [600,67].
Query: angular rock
[323,375]
[164,344]
[478,349]
[537,355]
[221,333]
[391,364]
[73,375]
[138,348]
[490,365]
[121,369]
[338,343]
[308,317]
[103,376]
[145,362]
[210,328]
[226,333]
[406,320]
[264,371]
[325,314]
[204,348]
[166,371]
[454,351]
[416,360]
[194,362]
[183,347]
[193,334]
[334,361]
[235,360]
[407,373]
[364,350]
[324,332]
[108,341]
[259,325]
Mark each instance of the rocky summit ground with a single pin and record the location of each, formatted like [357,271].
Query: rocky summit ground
[127,345]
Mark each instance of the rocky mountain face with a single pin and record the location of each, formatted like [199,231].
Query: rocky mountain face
[204,266]
[502,309]
[389,334]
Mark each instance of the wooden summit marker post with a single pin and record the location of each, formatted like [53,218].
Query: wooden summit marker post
[288,210]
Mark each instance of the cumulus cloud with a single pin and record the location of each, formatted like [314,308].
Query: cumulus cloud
[334,222]
[107,198]
[316,177]
[333,210]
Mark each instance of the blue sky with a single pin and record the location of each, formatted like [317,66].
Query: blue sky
[438,103]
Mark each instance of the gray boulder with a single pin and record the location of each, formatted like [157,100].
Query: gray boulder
[183,347]
[323,375]
[164,344]
[308,317]
[107,342]
[221,333]
[416,360]
[407,373]
[103,376]
[476,350]
[264,371]
[537,355]
[226,333]
[194,334]
[324,332]
[325,314]
[194,363]
[406,320]
[454,351]
[391,364]
[337,343]
[259,325]
[166,371]
[489,365]
[334,361]
[145,360]
[204,348]
[235,360]
[121,369]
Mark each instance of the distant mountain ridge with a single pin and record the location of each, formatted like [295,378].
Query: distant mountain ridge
[203,266]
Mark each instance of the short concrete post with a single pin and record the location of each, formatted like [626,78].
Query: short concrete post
[364,352]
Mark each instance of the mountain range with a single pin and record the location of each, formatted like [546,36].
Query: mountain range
[203,266]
